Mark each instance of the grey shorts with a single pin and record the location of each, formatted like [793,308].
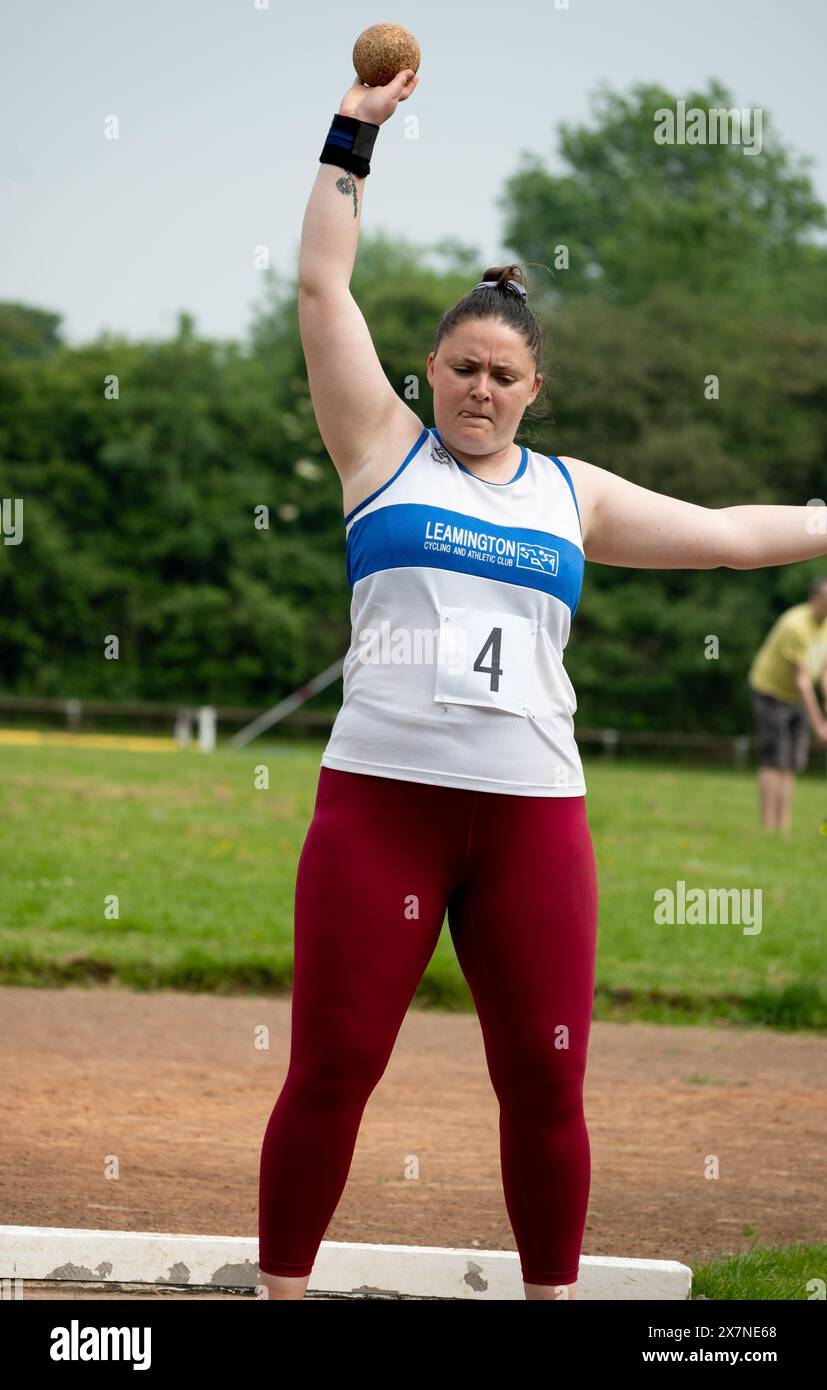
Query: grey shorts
[783,732]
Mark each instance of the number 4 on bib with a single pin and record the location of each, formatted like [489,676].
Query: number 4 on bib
[487,658]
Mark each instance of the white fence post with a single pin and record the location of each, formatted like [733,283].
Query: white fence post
[206,728]
[183,727]
[610,741]
[741,749]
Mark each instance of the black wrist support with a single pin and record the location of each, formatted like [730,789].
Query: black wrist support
[350,144]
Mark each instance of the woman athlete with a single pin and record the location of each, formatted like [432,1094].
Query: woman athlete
[452,780]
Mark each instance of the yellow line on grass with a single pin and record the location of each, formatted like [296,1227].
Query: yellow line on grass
[127,741]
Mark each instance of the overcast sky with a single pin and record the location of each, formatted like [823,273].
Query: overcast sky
[223,106]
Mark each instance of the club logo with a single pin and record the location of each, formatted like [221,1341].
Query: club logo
[537,557]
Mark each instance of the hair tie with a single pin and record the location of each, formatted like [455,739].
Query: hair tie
[511,284]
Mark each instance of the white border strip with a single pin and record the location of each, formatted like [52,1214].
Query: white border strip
[417,1271]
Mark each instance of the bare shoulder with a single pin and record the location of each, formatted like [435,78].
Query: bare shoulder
[381,457]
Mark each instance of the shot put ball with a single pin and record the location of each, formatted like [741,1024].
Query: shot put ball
[382,51]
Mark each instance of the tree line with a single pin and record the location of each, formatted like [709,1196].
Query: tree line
[683,293]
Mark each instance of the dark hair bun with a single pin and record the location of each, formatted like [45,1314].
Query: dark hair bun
[503,273]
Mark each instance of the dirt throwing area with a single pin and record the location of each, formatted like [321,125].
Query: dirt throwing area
[176,1088]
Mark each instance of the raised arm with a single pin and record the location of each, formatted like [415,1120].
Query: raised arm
[352,397]
[632,526]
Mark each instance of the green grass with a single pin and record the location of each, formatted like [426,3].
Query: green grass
[204,864]
[764,1272]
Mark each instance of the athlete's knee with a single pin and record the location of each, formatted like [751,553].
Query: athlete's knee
[345,1073]
[549,1075]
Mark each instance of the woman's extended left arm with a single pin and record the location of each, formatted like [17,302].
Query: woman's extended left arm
[632,526]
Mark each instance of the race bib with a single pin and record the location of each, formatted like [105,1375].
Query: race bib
[486,658]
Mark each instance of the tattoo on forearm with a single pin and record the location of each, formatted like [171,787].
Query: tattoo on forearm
[347,184]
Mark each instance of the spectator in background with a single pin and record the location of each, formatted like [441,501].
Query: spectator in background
[791,658]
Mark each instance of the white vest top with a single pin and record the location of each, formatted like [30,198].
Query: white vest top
[463,595]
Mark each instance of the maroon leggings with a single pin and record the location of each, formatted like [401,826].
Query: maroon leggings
[381,863]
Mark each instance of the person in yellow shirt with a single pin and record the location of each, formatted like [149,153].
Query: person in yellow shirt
[791,658]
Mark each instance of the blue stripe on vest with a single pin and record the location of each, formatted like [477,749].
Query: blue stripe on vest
[408,534]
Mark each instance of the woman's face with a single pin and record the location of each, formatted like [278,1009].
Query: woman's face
[483,369]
